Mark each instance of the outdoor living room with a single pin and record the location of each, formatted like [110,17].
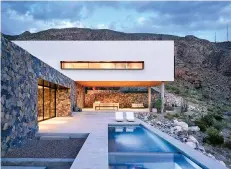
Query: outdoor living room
[111,99]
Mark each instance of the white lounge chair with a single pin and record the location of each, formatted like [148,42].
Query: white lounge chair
[130,116]
[119,116]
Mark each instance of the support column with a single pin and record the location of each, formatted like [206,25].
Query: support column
[80,96]
[150,99]
[162,97]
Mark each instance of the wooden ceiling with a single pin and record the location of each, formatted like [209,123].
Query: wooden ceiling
[119,83]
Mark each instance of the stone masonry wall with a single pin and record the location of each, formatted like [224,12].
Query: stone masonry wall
[125,100]
[20,72]
[63,103]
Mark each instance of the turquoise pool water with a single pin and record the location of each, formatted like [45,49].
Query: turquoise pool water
[134,147]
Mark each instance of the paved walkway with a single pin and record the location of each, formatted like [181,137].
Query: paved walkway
[94,153]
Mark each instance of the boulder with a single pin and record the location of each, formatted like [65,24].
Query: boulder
[145,118]
[191,144]
[158,123]
[222,162]
[182,124]
[176,129]
[201,148]
[194,128]
[150,123]
[192,139]
[211,156]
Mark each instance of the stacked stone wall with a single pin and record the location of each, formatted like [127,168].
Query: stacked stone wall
[20,72]
[63,103]
[125,100]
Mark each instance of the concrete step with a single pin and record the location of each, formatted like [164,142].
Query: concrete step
[22,167]
[54,137]
[71,135]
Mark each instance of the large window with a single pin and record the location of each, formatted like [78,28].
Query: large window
[46,100]
[102,65]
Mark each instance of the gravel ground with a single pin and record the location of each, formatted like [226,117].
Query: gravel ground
[47,149]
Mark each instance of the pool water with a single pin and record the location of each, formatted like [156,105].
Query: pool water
[136,139]
[134,147]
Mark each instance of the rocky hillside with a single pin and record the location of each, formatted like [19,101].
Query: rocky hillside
[203,68]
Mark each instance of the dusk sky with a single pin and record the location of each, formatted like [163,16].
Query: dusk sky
[201,19]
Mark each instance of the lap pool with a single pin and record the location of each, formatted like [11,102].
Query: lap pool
[135,147]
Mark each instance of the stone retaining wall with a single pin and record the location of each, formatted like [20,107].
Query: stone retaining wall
[125,100]
[20,72]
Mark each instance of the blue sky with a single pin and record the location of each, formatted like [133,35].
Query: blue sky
[201,19]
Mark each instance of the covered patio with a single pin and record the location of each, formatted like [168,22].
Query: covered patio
[101,96]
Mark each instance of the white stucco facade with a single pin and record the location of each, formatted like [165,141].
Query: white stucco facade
[158,57]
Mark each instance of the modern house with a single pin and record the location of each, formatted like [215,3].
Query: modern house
[95,64]
[44,79]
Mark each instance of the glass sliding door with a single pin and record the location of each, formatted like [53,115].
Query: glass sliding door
[46,100]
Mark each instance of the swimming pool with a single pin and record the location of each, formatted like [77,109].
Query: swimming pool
[136,147]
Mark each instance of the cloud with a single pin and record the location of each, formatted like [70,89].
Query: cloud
[180,18]
[101,26]
[18,23]
[141,20]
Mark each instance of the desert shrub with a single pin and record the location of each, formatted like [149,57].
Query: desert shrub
[184,105]
[212,119]
[219,125]
[171,116]
[205,122]
[168,107]
[208,119]
[201,125]
[218,116]
[214,137]
[168,116]
[157,105]
[176,115]
[205,96]
[176,91]
[228,144]
[173,89]
[210,109]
